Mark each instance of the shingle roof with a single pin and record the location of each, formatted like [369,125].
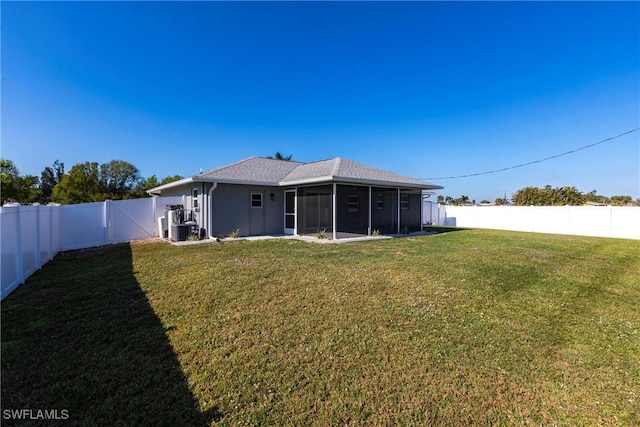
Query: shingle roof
[339,169]
[313,170]
[257,170]
[263,171]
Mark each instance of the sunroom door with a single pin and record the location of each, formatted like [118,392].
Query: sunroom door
[290,212]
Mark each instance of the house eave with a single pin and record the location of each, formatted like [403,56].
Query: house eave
[245,182]
[156,191]
[393,184]
[306,181]
[348,180]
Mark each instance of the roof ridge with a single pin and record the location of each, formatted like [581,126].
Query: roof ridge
[220,168]
[336,166]
[279,160]
[293,170]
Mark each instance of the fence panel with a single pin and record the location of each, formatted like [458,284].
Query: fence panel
[430,212]
[56,241]
[596,221]
[27,242]
[588,221]
[28,235]
[33,235]
[44,234]
[549,219]
[625,222]
[10,249]
[83,226]
[131,220]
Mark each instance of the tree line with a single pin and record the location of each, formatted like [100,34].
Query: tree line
[118,179]
[547,196]
[85,182]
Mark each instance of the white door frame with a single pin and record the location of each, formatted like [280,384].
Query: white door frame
[293,230]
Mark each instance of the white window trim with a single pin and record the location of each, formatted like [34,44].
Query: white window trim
[194,198]
[261,201]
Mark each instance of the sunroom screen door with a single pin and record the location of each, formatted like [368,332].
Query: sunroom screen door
[290,212]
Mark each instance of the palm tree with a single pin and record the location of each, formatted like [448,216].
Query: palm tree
[280,156]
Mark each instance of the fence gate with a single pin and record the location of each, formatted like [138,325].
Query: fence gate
[131,220]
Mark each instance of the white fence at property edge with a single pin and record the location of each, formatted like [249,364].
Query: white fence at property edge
[597,221]
[30,238]
[432,213]
[32,235]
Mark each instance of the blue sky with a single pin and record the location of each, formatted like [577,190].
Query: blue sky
[426,89]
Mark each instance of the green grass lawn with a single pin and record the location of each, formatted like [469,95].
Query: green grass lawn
[473,327]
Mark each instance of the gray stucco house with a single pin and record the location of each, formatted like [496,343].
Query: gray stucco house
[262,196]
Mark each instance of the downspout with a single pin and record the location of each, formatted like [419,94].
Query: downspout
[203,206]
[210,209]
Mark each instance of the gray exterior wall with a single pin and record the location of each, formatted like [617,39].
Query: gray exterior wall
[232,210]
[187,191]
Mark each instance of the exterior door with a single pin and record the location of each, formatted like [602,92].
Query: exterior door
[256,214]
[290,212]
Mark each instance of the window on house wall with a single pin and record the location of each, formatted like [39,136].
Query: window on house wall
[194,195]
[256,200]
[404,201]
[380,201]
[353,203]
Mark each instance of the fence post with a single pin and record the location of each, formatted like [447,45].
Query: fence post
[19,255]
[50,210]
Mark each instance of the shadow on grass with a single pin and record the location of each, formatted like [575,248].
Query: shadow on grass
[81,338]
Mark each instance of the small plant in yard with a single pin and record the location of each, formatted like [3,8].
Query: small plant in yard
[192,237]
[322,234]
[405,230]
[235,233]
[375,233]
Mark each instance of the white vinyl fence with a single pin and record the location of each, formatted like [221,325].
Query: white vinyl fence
[29,239]
[32,235]
[597,221]
[432,213]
